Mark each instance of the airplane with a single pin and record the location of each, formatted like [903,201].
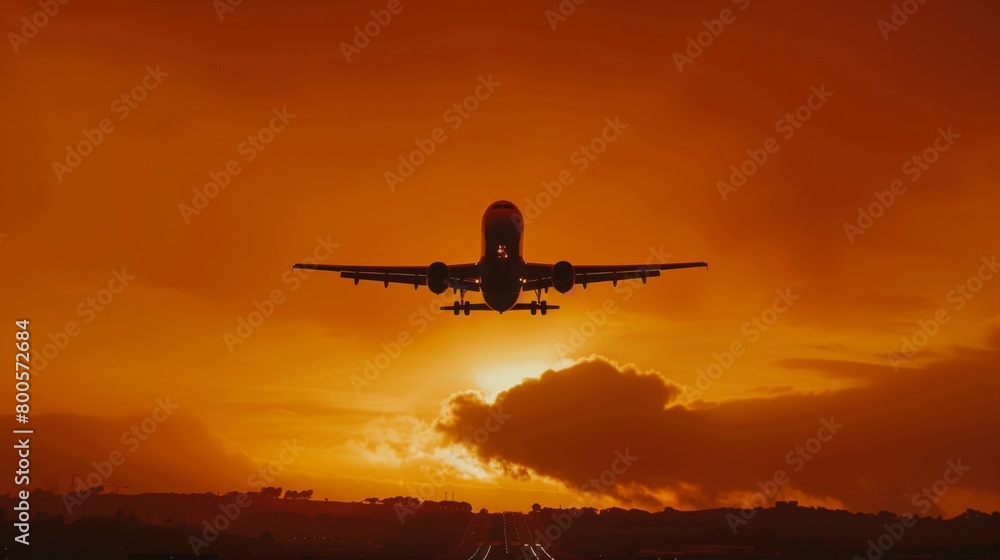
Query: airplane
[501,273]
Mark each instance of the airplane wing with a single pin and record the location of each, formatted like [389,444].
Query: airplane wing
[539,275]
[461,276]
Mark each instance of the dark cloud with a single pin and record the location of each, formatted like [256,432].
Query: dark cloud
[897,435]
[177,454]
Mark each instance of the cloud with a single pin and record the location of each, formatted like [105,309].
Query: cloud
[895,435]
[993,335]
[395,440]
[176,455]
[841,369]
[407,441]
[773,389]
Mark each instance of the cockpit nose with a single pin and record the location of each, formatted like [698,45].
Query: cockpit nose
[502,210]
[504,205]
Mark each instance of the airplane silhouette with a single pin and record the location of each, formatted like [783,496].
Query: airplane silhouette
[501,273]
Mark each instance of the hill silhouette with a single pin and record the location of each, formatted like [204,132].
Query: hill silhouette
[280,524]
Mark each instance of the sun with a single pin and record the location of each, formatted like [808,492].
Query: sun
[496,378]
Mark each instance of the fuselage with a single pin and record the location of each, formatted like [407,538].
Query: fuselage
[502,260]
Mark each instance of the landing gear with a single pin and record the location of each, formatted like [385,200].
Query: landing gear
[539,304]
[462,305]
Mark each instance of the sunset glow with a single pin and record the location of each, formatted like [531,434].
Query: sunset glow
[840,178]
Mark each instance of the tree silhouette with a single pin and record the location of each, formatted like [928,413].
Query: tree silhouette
[270,492]
[299,494]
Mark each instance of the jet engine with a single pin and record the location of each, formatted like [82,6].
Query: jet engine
[563,276]
[437,277]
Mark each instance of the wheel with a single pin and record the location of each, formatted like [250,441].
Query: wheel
[534,307]
[545,307]
[467,307]
[457,309]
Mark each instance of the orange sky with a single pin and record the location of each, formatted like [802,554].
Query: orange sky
[655,189]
